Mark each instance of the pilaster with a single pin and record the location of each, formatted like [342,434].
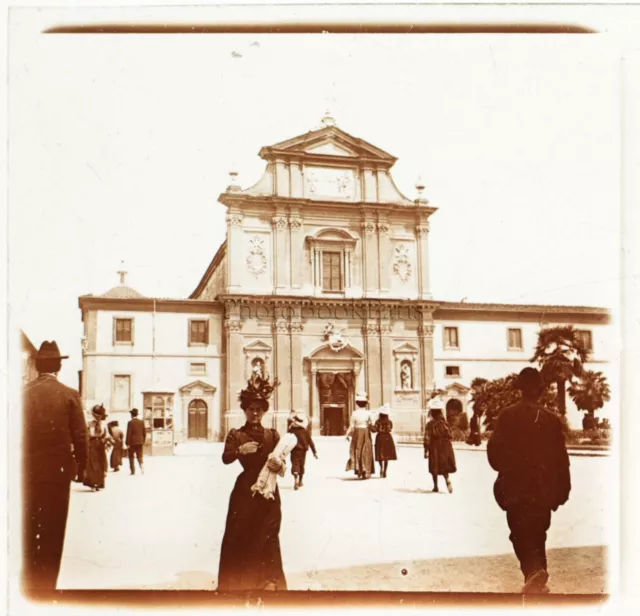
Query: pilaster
[422,241]
[295,330]
[235,246]
[370,254]
[371,335]
[386,357]
[281,254]
[296,248]
[384,252]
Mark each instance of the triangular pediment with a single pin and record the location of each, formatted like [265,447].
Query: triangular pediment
[198,386]
[330,148]
[325,351]
[406,348]
[458,388]
[257,346]
[328,141]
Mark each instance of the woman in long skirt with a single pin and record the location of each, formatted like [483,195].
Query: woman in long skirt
[438,448]
[99,439]
[385,448]
[250,557]
[361,450]
[117,437]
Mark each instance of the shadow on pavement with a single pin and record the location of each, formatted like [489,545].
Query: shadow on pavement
[581,571]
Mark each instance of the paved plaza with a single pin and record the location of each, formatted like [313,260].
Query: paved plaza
[162,530]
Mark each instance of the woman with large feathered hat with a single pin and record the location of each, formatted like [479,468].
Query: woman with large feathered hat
[99,441]
[250,557]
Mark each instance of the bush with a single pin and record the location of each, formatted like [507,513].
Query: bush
[462,422]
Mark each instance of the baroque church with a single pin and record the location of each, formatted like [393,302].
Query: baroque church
[322,281]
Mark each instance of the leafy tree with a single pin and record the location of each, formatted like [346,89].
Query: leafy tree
[590,391]
[560,355]
[490,397]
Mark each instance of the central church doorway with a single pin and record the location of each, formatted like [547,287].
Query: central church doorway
[198,419]
[334,390]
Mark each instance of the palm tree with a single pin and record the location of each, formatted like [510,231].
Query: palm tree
[560,354]
[590,391]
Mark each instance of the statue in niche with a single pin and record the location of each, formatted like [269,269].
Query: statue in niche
[406,375]
[257,368]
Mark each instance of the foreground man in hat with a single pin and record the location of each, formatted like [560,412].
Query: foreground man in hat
[528,450]
[53,423]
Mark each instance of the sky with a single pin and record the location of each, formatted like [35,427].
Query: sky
[119,147]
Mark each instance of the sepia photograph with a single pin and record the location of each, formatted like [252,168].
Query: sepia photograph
[311,311]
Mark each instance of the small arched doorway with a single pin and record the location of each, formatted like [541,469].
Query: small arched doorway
[198,415]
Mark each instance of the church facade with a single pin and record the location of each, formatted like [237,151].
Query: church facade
[323,281]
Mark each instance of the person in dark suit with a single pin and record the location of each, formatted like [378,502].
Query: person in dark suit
[136,436]
[54,431]
[528,450]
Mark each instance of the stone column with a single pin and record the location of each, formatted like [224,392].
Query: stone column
[386,353]
[370,258]
[385,256]
[282,370]
[281,254]
[235,371]
[374,377]
[297,367]
[296,249]
[422,237]
[235,247]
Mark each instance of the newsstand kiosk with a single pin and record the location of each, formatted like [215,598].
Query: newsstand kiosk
[158,421]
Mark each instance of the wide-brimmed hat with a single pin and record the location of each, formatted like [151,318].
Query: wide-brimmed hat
[99,411]
[300,419]
[362,397]
[385,409]
[49,350]
[436,404]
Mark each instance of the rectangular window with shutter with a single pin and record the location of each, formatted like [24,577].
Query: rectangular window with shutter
[198,332]
[123,331]
[332,271]
[451,338]
[515,339]
[586,339]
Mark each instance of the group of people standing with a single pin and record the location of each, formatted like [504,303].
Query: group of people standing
[102,437]
[437,442]
[60,446]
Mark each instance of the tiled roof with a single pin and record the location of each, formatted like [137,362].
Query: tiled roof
[122,292]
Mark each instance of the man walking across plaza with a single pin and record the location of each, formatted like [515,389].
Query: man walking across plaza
[528,450]
[54,431]
[136,436]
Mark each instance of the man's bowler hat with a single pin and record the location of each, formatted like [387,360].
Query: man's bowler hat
[530,379]
[49,350]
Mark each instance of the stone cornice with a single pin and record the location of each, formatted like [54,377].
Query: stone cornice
[237,200]
[147,304]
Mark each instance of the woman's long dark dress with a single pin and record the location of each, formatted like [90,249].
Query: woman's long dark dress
[385,447]
[438,447]
[97,455]
[118,446]
[250,556]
